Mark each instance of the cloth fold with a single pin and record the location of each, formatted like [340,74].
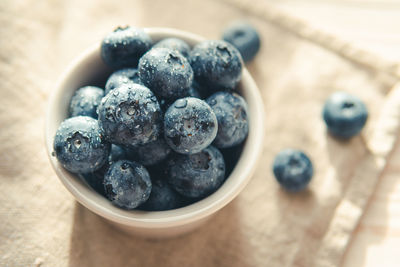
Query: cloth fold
[42,225]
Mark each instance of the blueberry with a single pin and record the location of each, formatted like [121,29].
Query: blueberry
[193,92]
[231,157]
[119,77]
[150,153]
[79,146]
[130,115]
[231,112]
[165,103]
[117,153]
[127,184]
[85,100]
[197,175]
[124,46]
[96,179]
[162,196]
[244,37]
[345,115]
[216,64]
[166,72]
[200,91]
[190,125]
[292,169]
[174,44]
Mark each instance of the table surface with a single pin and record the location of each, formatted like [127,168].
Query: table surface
[372,25]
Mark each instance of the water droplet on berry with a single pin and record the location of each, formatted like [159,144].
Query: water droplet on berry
[124,166]
[180,103]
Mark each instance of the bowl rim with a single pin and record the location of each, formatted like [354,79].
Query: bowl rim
[238,178]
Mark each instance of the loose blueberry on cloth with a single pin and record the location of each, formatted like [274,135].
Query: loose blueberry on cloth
[79,145]
[244,37]
[293,169]
[344,114]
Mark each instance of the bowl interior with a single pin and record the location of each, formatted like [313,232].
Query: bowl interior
[88,69]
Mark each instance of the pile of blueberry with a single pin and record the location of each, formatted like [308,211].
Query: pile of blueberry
[168,126]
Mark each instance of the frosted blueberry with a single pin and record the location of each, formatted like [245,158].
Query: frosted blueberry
[79,146]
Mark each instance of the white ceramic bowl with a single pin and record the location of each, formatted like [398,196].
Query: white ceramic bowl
[89,68]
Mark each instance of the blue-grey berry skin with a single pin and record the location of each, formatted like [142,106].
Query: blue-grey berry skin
[130,115]
[174,44]
[166,72]
[117,153]
[150,153]
[345,115]
[127,184]
[120,77]
[162,196]
[96,179]
[292,169]
[79,145]
[192,92]
[233,124]
[216,64]
[85,101]
[197,175]
[202,92]
[190,125]
[244,37]
[124,46]
[231,157]
[164,104]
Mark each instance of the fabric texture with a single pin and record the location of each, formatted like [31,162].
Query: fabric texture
[42,225]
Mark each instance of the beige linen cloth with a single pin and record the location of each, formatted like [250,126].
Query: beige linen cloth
[296,70]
